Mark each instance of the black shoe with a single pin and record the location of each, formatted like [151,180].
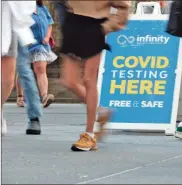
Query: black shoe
[33,128]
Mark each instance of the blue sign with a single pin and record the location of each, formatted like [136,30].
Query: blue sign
[139,76]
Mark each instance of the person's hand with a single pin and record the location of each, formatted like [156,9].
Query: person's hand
[115,22]
[163,4]
[46,40]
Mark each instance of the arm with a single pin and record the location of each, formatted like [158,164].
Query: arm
[117,21]
[163,4]
[49,32]
[47,37]
[22,20]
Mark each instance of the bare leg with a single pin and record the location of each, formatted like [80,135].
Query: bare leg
[90,81]
[42,80]
[19,90]
[40,71]
[8,67]
[71,72]
[71,77]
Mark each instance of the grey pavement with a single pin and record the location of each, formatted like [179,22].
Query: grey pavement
[123,157]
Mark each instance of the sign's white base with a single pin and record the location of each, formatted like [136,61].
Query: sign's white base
[145,128]
[169,132]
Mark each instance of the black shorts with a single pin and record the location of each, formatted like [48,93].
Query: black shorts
[83,36]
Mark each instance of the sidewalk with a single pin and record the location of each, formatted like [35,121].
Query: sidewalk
[122,158]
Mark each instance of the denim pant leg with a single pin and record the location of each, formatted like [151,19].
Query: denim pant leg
[28,83]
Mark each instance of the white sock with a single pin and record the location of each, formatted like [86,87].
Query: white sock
[180,124]
[90,134]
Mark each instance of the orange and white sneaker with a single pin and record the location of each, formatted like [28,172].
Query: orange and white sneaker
[85,143]
[103,117]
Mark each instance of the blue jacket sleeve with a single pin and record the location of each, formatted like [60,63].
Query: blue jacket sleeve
[48,15]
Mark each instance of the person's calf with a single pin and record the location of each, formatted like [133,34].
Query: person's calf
[91,101]
[7,87]
[8,66]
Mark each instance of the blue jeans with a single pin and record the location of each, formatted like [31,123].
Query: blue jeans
[27,80]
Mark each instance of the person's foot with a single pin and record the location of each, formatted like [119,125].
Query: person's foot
[3,126]
[20,101]
[34,128]
[178,133]
[47,100]
[85,143]
[103,117]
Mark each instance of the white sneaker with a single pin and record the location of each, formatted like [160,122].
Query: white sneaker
[3,126]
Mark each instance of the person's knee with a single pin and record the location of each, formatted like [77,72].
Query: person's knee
[39,69]
[67,83]
[90,78]
[90,82]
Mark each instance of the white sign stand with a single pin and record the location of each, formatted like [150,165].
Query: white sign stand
[169,129]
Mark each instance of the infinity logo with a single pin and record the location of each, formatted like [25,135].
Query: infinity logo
[122,39]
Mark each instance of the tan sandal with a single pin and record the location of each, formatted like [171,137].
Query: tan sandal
[47,100]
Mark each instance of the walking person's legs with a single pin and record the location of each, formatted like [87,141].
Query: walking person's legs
[87,92]
[79,30]
[87,140]
[31,93]
[40,69]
